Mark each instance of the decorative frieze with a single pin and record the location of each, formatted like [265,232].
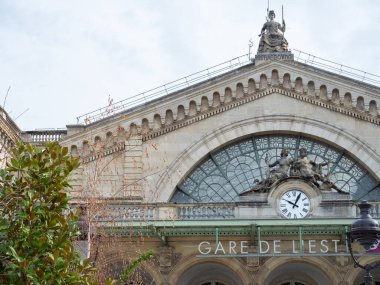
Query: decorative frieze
[247,99]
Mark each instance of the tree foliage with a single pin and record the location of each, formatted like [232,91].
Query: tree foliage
[134,264]
[37,226]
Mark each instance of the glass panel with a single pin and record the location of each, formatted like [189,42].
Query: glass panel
[247,146]
[233,151]
[208,166]
[262,142]
[241,173]
[237,167]
[289,142]
[180,197]
[221,157]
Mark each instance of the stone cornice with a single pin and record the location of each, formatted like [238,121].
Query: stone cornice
[255,96]
[108,151]
[218,84]
[202,87]
[10,129]
[325,74]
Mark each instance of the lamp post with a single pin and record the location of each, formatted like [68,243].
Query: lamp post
[366,231]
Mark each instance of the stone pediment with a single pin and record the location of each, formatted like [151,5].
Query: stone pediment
[273,97]
[243,86]
[327,104]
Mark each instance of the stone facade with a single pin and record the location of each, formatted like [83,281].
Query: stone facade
[9,136]
[135,163]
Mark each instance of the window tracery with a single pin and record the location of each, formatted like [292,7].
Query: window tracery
[237,167]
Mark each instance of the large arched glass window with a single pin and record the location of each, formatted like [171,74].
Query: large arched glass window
[233,169]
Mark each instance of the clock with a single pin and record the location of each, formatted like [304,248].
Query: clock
[294,204]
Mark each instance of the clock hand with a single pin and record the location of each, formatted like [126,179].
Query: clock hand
[298,197]
[290,202]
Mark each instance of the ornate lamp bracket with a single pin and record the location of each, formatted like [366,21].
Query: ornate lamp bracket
[366,231]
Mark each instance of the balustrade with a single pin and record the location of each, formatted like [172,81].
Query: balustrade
[125,213]
[44,136]
[190,212]
[374,211]
[182,212]
[151,212]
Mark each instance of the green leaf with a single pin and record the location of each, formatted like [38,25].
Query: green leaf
[4,225]
[14,162]
[39,238]
[15,255]
[51,257]
[65,150]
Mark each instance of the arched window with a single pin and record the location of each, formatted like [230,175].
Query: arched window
[237,167]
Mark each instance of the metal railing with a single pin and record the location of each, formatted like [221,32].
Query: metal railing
[163,90]
[219,69]
[335,67]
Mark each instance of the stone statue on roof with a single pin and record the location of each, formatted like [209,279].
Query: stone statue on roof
[272,36]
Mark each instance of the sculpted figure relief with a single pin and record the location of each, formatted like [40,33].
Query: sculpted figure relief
[274,175]
[283,166]
[272,36]
[302,168]
[306,168]
[309,170]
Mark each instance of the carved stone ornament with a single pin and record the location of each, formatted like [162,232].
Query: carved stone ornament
[272,36]
[167,258]
[253,262]
[301,168]
[342,264]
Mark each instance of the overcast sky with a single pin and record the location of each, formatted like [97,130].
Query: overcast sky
[63,59]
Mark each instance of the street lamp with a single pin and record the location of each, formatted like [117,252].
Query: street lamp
[366,231]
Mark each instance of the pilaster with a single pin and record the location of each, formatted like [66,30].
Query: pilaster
[133,168]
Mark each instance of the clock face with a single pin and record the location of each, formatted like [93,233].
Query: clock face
[294,204]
